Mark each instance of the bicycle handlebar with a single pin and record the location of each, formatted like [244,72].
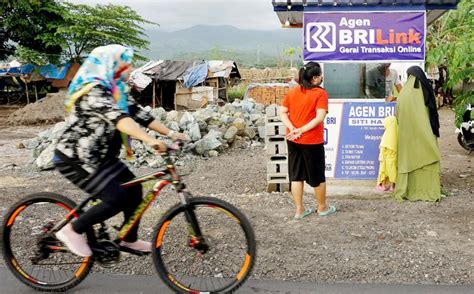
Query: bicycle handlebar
[172,149]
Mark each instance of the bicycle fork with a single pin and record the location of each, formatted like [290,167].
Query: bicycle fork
[196,239]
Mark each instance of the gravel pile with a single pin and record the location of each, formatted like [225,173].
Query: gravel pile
[49,109]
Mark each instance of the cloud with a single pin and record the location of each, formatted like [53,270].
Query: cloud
[178,14]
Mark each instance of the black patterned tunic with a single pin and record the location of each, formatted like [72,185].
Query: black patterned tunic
[87,151]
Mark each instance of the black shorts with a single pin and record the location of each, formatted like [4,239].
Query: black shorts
[306,163]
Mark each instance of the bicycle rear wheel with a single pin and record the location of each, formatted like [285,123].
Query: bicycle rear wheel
[45,265]
[227,263]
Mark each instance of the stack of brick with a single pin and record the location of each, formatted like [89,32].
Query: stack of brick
[277,151]
[267,93]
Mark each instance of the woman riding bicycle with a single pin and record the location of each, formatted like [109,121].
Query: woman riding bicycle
[101,117]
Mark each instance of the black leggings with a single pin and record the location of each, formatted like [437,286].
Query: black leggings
[114,200]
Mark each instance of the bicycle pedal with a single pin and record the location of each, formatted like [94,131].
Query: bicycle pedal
[133,251]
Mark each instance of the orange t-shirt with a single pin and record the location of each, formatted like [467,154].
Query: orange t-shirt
[302,105]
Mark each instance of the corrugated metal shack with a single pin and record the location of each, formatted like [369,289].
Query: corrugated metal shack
[182,84]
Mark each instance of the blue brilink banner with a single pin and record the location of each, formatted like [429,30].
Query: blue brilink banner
[364,36]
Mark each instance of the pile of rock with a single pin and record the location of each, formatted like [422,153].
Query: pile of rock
[211,130]
[43,146]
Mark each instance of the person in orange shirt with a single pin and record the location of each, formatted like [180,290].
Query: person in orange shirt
[303,111]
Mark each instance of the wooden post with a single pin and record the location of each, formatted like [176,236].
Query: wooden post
[36,92]
[226,87]
[27,96]
[176,84]
[161,97]
[153,98]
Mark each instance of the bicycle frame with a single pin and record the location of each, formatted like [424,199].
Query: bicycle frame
[165,177]
[151,195]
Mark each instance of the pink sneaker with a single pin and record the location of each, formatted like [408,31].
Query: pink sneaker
[75,242]
[138,245]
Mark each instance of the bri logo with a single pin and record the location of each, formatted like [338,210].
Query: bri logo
[326,36]
[323,39]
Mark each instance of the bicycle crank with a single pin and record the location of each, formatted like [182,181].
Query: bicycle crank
[106,253]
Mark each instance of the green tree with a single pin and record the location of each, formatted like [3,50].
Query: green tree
[27,55]
[5,47]
[450,46]
[290,53]
[23,21]
[86,27]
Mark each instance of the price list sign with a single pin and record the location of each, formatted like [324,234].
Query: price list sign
[359,139]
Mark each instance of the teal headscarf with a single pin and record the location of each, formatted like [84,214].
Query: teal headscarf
[103,67]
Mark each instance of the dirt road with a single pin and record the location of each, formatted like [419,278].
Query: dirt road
[368,241]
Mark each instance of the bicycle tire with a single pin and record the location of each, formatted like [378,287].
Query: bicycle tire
[228,209]
[10,258]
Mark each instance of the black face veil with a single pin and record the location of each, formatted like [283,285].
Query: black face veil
[428,95]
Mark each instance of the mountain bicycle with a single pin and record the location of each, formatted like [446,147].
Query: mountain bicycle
[201,244]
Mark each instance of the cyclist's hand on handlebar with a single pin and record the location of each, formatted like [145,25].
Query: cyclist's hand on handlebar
[158,145]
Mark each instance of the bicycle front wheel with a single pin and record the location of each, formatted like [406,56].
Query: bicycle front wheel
[41,263]
[226,264]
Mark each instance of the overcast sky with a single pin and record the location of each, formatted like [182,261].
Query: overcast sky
[179,14]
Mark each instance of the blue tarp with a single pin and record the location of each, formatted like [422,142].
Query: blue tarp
[27,69]
[14,70]
[195,75]
[49,71]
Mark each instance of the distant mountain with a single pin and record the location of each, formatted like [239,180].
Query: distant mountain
[205,41]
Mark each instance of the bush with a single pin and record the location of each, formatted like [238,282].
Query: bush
[236,92]
[460,103]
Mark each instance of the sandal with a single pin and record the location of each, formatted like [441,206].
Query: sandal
[305,214]
[381,189]
[329,211]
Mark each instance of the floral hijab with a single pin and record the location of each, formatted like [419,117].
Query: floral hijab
[103,67]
